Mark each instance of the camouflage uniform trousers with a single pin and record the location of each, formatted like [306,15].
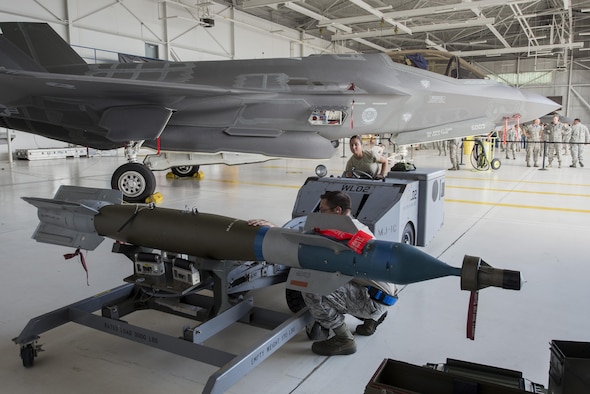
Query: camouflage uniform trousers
[352,298]
[578,153]
[533,148]
[554,151]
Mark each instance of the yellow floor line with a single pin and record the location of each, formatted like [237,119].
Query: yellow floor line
[518,181]
[519,206]
[255,183]
[518,191]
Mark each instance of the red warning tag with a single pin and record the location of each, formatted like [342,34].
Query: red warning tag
[358,241]
[335,234]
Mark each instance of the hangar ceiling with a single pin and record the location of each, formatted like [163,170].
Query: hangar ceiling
[477,30]
[473,29]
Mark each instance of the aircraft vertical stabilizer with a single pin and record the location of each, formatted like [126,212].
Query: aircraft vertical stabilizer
[12,58]
[41,43]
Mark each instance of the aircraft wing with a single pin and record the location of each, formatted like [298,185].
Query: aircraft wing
[123,109]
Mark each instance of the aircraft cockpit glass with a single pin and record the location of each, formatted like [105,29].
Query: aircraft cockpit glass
[439,62]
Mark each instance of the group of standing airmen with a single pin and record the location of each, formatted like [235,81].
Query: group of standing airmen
[555,134]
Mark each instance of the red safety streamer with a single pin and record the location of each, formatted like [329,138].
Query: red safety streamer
[335,234]
[158,139]
[356,241]
[68,256]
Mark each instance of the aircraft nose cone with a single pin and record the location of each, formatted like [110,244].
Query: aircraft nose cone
[535,106]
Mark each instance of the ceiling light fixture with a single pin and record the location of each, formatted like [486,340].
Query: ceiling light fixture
[444,10]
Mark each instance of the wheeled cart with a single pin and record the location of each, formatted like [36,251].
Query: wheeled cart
[482,155]
[228,304]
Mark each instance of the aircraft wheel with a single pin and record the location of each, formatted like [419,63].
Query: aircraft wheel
[409,235]
[27,354]
[496,163]
[335,143]
[185,171]
[295,300]
[136,181]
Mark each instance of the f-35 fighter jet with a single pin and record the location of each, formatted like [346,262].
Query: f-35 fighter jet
[243,110]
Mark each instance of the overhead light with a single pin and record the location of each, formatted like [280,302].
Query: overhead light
[584,33]
[584,49]
[207,22]
[585,10]
[477,42]
[444,10]
[431,44]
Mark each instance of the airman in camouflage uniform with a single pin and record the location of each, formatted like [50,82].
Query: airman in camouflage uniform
[554,135]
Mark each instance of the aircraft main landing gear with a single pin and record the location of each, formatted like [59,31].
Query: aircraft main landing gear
[184,171]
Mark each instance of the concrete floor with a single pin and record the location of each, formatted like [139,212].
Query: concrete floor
[516,218]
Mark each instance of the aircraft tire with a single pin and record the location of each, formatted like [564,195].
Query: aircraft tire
[185,171]
[136,181]
[408,235]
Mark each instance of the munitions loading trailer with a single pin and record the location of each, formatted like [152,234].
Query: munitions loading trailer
[182,285]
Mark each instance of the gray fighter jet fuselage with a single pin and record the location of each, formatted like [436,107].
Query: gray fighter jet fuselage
[216,105]
[290,107]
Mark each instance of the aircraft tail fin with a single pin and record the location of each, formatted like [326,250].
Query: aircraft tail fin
[12,58]
[44,48]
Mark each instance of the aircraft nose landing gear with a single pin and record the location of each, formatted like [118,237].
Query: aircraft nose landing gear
[135,180]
